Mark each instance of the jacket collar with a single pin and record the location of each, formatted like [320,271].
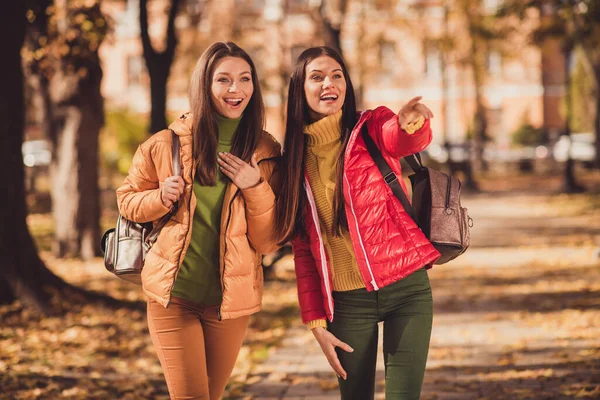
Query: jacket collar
[268,146]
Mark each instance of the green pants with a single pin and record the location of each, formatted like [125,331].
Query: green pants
[405,307]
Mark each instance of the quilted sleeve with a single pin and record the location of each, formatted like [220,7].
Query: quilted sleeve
[392,139]
[260,209]
[138,198]
[308,282]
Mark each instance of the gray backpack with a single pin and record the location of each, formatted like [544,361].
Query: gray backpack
[125,246]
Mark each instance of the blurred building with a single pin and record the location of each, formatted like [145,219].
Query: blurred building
[392,50]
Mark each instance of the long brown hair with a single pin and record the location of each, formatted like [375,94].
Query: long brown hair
[291,200]
[205,130]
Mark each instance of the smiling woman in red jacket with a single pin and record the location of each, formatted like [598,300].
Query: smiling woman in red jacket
[354,245]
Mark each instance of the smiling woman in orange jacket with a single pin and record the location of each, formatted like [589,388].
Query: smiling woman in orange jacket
[203,276]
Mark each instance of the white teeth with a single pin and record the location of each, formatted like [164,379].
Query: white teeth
[233,101]
[329,97]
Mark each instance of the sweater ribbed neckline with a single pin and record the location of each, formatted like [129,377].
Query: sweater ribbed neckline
[227,128]
[324,131]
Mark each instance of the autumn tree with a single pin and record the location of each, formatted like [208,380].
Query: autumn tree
[330,15]
[23,274]
[158,64]
[65,57]
[574,24]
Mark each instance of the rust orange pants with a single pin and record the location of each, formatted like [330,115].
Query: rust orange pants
[197,352]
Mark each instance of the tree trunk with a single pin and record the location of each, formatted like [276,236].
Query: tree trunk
[79,116]
[331,30]
[158,93]
[159,65]
[22,273]
[597,119]
[331,36]
[570,184]
[480,121]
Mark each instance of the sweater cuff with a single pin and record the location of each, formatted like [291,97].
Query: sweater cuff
[415,126]
[316,323]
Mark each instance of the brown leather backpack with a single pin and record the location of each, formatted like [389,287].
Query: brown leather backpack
[436,206]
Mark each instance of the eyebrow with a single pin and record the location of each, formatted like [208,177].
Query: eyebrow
[227,73]
[318,70]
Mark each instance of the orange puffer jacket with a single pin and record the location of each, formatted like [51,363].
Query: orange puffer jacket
[247,220]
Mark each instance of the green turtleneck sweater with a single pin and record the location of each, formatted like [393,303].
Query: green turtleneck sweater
[198,279]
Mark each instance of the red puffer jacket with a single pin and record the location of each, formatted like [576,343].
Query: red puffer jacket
[387,243]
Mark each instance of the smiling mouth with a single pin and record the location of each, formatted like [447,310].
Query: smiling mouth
[233,102]
[329,97]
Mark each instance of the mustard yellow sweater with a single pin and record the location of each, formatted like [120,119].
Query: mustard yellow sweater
[321,155]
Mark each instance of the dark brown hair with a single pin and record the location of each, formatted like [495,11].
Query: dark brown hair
[205,129]
[291,200]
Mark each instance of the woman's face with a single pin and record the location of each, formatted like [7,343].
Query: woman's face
[324,87]
[232,86]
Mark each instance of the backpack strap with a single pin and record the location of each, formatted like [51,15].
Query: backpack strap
[175,156]
[388,175]
[414,162]
[176,160]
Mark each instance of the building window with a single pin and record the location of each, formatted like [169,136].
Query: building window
[135,70]
[250,6]
[295,53]
[491,6]
[298,6]
[387,58]
[256,53]
[194,6]
[193,11]
[494,63]
[433,62]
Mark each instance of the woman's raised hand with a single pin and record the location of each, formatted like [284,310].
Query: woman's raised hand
[412,111]
[172,189]
[242,174]
[328,343]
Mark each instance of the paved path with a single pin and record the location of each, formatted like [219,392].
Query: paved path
[515,317]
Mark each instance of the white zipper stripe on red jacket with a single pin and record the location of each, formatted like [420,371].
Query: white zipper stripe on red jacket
[325,270]
[362,247]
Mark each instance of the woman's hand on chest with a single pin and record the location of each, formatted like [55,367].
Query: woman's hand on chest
[242,174]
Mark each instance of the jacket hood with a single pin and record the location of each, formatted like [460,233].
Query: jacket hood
[182,126]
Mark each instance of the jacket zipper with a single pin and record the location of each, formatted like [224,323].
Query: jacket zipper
[448,189]
[222,275]
[324,267]
[191,218]
[362,247]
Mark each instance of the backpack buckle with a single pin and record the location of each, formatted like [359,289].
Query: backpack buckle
[390,178]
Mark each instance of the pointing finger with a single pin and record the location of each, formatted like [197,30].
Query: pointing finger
[411,103]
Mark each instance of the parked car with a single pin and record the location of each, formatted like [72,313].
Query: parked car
[580,146]
[36,153]
[457,152]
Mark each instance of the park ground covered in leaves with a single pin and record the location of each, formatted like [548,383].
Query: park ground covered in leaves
[517,317]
